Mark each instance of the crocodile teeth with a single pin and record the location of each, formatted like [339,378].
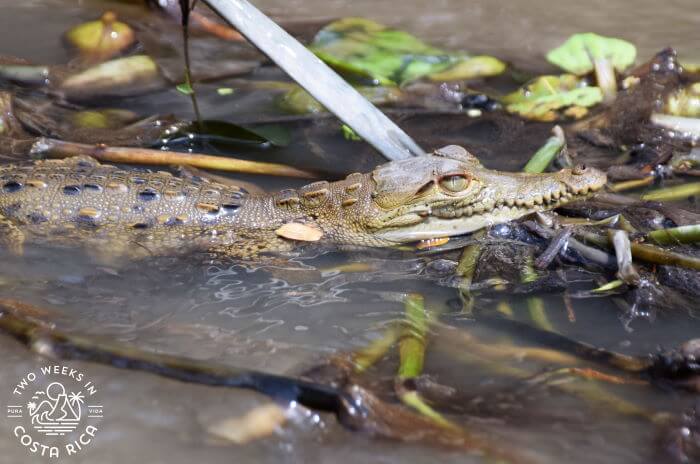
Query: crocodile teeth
[556,194]
[547,197]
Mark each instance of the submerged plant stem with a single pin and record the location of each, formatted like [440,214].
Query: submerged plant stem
[605,78]
[675,193]
[366,357]
[674,235]
[412,356]
[631,184]
[412,344]
[649,253]
[186,8]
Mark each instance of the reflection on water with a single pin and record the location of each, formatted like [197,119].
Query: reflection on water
[285,318]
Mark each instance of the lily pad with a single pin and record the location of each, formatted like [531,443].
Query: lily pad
[587,52]
[364,48]
[544,97]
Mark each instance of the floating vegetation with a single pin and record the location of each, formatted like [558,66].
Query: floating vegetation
[549,98]
[366,49]
[584,53]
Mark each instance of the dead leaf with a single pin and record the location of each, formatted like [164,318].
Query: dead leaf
[299,231]
[257,423]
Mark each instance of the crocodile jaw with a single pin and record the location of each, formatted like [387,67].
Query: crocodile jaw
[433,226]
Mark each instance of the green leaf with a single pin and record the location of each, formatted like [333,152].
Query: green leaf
[364,48]
[543,97]
[578,53]
[547,152]
[185,88]
[469,68]
[350,134]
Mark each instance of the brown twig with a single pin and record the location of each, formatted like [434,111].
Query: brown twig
[47,147]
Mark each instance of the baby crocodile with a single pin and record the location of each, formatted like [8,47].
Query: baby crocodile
[118,213]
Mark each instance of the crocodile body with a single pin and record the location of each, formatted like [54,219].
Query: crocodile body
[114,212]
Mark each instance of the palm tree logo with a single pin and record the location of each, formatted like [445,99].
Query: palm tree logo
[59,412]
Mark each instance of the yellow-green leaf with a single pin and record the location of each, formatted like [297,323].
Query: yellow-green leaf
[364,48]
[543,97]
[578,53]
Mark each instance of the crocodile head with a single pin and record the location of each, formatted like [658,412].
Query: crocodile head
[450,193]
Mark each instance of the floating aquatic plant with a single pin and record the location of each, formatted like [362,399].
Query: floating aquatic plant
[548,98]
[367,49]
[584,53]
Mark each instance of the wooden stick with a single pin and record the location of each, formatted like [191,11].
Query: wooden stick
[47,147]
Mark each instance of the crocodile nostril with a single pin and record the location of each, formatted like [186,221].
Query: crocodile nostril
[579,169]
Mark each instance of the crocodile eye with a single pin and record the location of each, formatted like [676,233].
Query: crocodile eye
[454,183]
[579,169]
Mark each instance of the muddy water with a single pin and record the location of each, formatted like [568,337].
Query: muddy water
[285,319]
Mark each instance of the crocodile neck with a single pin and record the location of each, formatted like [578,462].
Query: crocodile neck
[338,209]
